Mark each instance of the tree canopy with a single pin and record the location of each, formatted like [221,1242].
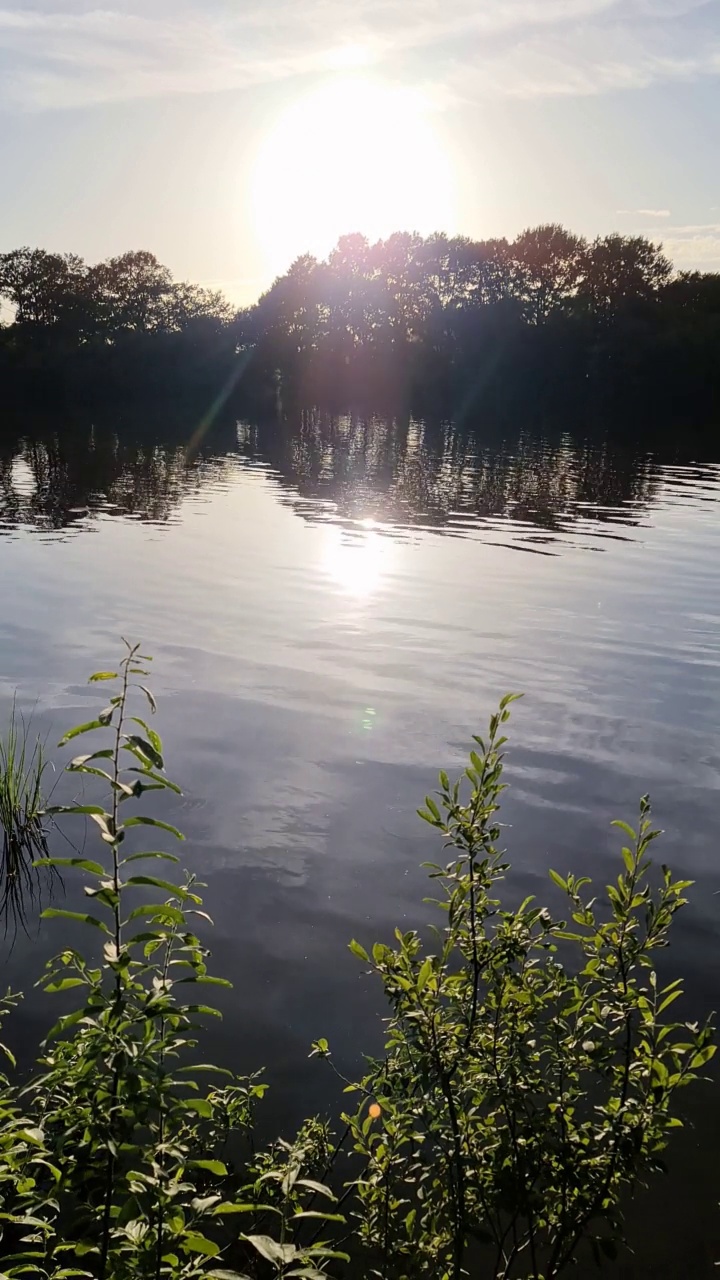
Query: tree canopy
[132,293]
[436,312]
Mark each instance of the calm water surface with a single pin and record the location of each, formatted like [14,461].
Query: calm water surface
[334,606]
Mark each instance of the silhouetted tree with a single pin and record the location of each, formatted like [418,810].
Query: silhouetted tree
[549,265]
[473,318]
[290,318]
[131,292]
[695,291]
[56,300]
[42,288]
[622,269]
[188,306]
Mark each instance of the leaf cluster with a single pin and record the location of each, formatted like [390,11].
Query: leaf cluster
[530,1077]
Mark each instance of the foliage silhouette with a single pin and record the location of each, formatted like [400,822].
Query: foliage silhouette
[544,314]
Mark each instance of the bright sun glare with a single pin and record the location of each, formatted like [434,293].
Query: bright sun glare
[357,561]
[354,155]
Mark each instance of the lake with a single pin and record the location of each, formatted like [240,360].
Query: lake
[334,606]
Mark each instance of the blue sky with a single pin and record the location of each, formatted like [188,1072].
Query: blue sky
[142,125]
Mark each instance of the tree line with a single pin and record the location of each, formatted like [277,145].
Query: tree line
[131,293]
[445,308]
[410,287]
[424,311]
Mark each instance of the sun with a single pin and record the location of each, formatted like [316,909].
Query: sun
[355,154]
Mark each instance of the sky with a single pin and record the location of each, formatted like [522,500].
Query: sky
[228,136]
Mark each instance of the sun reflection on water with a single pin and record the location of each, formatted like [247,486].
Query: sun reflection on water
[356,559]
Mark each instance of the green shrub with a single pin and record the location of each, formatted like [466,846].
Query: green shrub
[129,1141]
[530,1073]
[528,1082]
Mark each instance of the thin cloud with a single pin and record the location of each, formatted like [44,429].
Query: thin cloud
[695,245]
[645,213]
[694,252]
[65,54]
[695,228]
[591,59]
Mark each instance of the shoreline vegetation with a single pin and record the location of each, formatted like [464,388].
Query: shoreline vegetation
[529,1081]
[494,325]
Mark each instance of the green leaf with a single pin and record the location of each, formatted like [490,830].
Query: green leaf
[84,864]
[68,1020]
[201,1204]
[8,1054]
[228,1275]
[434,821]
[78,808]
[65,984]
[307,1273]
[104,821]
[34,1136]
[158,911]
[229,1207]
[59,913]
[81,728]
[157,777]
[153,737]
[207,980]
[65,1272]
[424,975]
[271,1249]
[319,1251]
[558,880]
[200,1244]
[433,808]
[154,822]
[359,951]
[150,697]
[145,748]
[156,883]
[105,754]
[103,675]
[206,1009]
[98,773]
[703,1056]
[201,1105]
[317,1213]
[625,826]
[318,1187]
[207,1066]
[212,1166]
[154,853]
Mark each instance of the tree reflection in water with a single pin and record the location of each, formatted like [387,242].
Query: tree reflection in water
[370,474]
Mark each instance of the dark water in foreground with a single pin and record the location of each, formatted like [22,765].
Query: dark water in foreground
[334,607]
